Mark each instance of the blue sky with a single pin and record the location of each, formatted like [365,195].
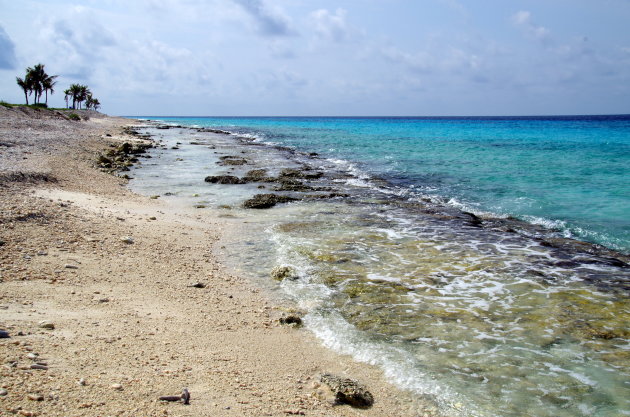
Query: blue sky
[308,57]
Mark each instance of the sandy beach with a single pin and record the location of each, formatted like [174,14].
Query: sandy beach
[111,300]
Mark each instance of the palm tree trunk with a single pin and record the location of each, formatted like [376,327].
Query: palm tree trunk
[46,97]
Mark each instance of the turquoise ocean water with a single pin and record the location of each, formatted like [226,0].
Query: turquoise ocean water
[507,312]
[568,173]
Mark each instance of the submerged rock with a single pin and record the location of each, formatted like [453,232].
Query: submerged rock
[224,179]
[280,273]
[348,391]
[263,201]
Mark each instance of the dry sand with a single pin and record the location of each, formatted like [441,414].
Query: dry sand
[112,272]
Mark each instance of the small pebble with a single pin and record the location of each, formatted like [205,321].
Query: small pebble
[46,325]
[3,392]
[35,397]
[82,382]
[117,387]
[127,239]
[32,355]
[70,266]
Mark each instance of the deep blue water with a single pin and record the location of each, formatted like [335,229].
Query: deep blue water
[568,173]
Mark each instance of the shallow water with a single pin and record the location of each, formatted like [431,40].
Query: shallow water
[484,316]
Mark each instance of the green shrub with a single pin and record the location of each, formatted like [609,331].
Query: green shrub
[5,104]
[39,106]
[74,116]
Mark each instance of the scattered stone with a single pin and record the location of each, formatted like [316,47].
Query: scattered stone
[32,356]
[198,285]
[102,299]
[82,382]
[46,325]
[127,239]
[154,197]
[280,273]
[117,387]
[199,206]
[348,391]
[3,392]
[263,201]
[4,334]
[184,397]
[39,367]
[35,397]
[152,218]
[70,266]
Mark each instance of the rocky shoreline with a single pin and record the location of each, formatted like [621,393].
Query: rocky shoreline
[113,303]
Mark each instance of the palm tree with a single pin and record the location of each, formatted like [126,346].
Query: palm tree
[91,102]
[75,93]
[68,94]
[49,83]
[24,85]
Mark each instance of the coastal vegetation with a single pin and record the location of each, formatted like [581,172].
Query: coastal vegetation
[37,82]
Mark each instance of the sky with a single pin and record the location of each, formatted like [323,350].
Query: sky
[325,58]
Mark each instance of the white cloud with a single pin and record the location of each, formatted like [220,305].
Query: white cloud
[331,26]
[523,20]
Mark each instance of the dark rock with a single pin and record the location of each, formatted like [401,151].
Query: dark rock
[224,179]
[348,391]
[198,285]
[4,334]
[296,173]
[474,220]
[293,185]
[263,201]
[232,160]
[291,319]
[258,175]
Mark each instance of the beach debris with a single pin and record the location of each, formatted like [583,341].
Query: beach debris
[263,201]
[282,272]
[45,324]
[127,239]
[291,319]
[82,382]
[184,397]
[348,391]
[224,179]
